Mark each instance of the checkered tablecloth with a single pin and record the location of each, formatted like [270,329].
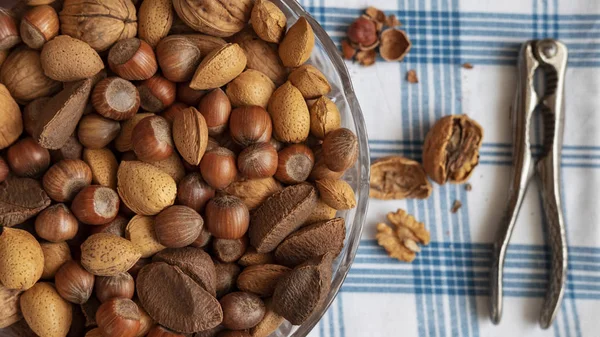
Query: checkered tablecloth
[444,291]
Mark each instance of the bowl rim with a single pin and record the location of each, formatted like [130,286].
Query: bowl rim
[330,49]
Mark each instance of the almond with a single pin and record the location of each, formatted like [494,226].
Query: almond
[268,21]
[302,291]
[190,134]
[297,45]
[252,258]
[106,254]
[337,193]
[320,212]
[11,124]
[219,67]
[206,43]
[155,18]
[144,188]
[253,192]
[104,166]
[270,322]
[140,231]
[289,112]
[250,88]
[280,215]
[261,279]
[67,59]
[123,140]
[312,241]
[310,81]
[21,259]
[173,166]
[46,313]
[261,56]
[324,117]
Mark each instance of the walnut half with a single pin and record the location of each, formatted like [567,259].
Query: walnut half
[401,242]
[451,149]
[396,177]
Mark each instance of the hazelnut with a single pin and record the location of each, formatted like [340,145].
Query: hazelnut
[118,286]
[118,317]
[242,310]
[258,161]
[229,250]
[55,255]
[187,95]
[161,331]
[156,93]
[74,283]
[203,239]
[194,192]
[295,163]
[151,139]
[132,59]
[250,125]
[115,98]
[178,58]
[9,35]
[95,131]
[216,108]
[66,178]
[363,31]
[177,226]
[96,205]
[38,26]
[218,167]
[227,217]
[146,322]
[340,149]
[4,171]
[56,223]
[116,226]
[27,158]
[172,111]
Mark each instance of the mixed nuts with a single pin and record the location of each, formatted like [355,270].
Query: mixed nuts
[161,172]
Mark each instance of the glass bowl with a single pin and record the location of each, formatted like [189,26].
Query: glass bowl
[326,57]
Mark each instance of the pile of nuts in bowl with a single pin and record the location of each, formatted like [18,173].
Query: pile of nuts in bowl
[165,170]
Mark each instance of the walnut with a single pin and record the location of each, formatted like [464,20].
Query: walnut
[219,18]
[401,242]
[451,149]
[100,23]
[396,177]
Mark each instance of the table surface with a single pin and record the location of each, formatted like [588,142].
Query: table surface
[444,292]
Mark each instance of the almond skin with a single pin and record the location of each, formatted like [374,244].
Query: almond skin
[46,313]
[268,21]
[105,254]
[21,259]
[310,81]
[290,115]
[67,59]
[336,193]
[104,166]
[144,188]
[140,230]
[250,88]
[173,166]
[190,134]
[261,279]
[324,117]
[155,18]
[297,45]
[219,67]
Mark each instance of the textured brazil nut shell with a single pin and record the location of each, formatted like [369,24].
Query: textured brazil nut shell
[396,177]
[67,59]
[312,241]
[302,291]
[106,254]
[195,262]
[175,300]
[100,23]
[21,259]
[219,67]
[451,149]
[21,199]
[214,17]
[144,188]
[280,215]
[290,115]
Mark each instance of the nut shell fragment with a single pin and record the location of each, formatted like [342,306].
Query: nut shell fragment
[451,149]
[394,44]
[396,177]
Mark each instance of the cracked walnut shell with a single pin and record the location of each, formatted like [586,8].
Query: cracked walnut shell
[396,177]
[401,242]
[451,149]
